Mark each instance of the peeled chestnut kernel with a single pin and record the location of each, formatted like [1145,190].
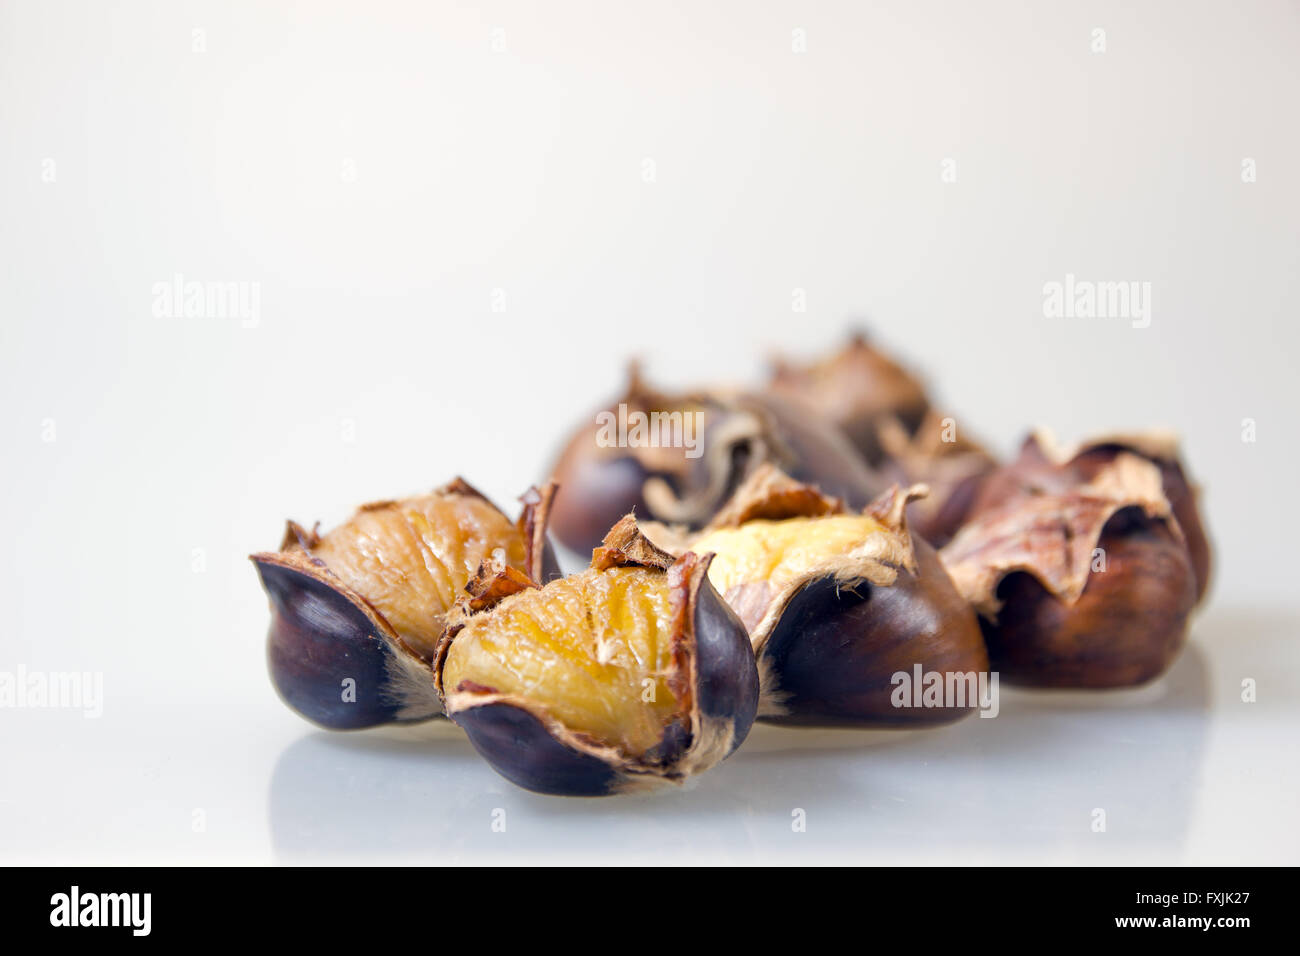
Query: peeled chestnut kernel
[936,455]
[839,604]
[356,614]
[1085,587]
[630,674]
[857,388]
[1046,465]
[677,458]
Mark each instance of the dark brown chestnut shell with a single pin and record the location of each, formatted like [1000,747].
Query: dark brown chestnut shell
[830,646]
[1045,465]
[715,679]
[858,389]
[943,459]
[323,633]
[1056,611]
[835,654]
[741,432]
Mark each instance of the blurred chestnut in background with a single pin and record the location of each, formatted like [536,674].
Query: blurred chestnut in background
[1089,586]
[839,605]
[630,674]
[856,389]
[937,455]
[366,602]
[1044,465]
[678,457]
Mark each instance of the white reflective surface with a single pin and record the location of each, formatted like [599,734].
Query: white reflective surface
[1184,770]
[461,220]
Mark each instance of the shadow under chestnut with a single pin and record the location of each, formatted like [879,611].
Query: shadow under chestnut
[1022,784]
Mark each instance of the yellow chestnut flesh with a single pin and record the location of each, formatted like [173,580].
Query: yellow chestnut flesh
[591,650]
[410,559]
[782,552]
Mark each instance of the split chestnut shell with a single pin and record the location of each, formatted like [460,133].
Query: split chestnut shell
[356,613]
[685,454]
[1046,465]
[842,608]
[630,674]
[1088,586]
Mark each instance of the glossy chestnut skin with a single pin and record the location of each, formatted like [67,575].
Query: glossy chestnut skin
[1125,630]
[853,605]
[333,656]
[741,432]
[714,676]
[834,654]
[856,388]
[521,748]
[598,490]
[321,635]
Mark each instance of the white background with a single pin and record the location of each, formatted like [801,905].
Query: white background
[379,170]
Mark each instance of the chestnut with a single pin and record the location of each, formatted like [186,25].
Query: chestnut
[630,674]
[698,448]
[356,613]
[857,389]
[1090,586]
[842,607]
[936,455]
[1045,464]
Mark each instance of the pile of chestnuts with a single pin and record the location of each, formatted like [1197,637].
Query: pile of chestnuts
[829,551]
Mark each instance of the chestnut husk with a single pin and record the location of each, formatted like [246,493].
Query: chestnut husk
[830,642]
[1045,465]
[953,468]
[742,431]
[1053,620]
[713,675]
[857,388]
[323,631]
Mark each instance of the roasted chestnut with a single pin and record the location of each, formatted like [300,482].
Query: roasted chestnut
[356,614]
[951,465]
[849,613]
[630,674]
[857,389]
[1045,465]
[1090,586]
[677,458]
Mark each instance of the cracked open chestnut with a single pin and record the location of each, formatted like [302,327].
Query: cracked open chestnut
[630,674]
[1086,586]
[356,613]
[1044,464]
[676,458]
[858,388]
[843,609]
